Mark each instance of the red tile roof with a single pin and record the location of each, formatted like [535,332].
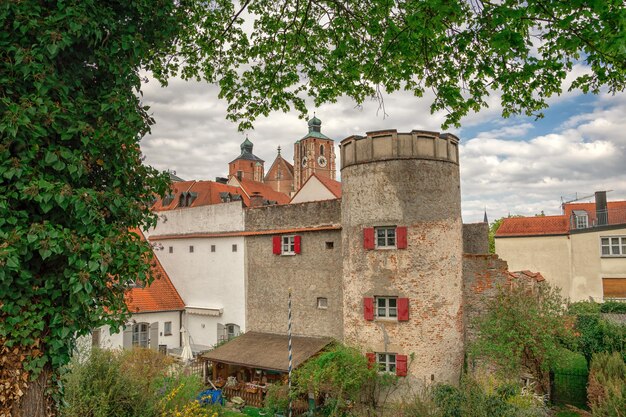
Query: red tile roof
[617,211]
[208,192]
[534,226]
[268,193]
[161,295]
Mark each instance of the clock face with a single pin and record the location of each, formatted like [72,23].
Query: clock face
[304,161]
[321,161]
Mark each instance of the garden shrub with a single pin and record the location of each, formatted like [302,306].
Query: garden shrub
[128,383]
[606,391]
[613,307]
[594,333]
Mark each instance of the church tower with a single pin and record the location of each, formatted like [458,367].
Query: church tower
[247,166]
[313,154]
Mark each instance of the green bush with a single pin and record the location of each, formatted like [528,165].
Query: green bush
[470,399]
[613,307]
[594,333]
[607,385]
[130,383]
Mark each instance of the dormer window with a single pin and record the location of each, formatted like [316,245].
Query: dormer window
[581,220]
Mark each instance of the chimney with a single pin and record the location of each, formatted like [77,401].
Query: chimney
[256,199]
[602,214]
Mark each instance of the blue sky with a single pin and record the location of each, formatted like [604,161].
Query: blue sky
[518,165]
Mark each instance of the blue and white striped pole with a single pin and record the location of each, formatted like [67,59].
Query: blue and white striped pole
[290,354]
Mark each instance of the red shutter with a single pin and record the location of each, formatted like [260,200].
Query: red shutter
[368,308]
[401,237]
[403,309]
[276,245]
[371,359]
[368,238]
[401,365]
[297,243]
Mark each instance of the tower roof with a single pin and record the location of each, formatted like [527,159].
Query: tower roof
[315,127]
[246,152]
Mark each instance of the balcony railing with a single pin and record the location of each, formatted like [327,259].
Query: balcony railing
[597,219]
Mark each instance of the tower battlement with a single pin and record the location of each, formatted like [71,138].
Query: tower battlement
[385,145]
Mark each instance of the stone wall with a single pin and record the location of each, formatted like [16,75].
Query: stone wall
[302,215]
[481,276]
[314,273]
[476,238]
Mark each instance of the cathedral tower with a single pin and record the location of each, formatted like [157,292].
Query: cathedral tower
[314,153]
[247,166]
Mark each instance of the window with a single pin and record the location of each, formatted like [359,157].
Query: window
[140,334]
[212,248]
[288,245]
[386,307]
[330,245]
[322,303]
[190,249]
[171,249]
[239,175]
[322,150]
[386,362]
[228,331]
[385,237]
[167,328]
[613,246]
[581,222]
[234,248]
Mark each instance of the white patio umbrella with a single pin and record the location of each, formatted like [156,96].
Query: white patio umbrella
[186,354]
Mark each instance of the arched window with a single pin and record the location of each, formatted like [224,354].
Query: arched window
[321,149]
[140,334]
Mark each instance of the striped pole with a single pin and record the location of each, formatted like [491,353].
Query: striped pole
[290,355]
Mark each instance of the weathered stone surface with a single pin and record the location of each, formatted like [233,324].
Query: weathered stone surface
[476,238]
[421,193]
[310,214]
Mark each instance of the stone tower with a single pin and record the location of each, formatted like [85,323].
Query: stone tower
[402,252]
[247,166]
[314,153]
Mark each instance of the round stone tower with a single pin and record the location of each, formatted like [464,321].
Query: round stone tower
[402,251]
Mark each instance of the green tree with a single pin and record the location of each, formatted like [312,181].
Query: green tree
[71,178]
[522,330]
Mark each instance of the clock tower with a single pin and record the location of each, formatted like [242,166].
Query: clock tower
[313,154]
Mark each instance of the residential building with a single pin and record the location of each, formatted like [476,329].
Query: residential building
[582,251]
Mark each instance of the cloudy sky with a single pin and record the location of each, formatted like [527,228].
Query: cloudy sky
[517,165]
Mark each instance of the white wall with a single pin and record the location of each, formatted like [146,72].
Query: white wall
[205,279]
[225,217]
[116,340]
[313,190]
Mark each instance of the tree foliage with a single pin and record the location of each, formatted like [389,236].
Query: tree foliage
[72,181]
[459,50]
[522,330]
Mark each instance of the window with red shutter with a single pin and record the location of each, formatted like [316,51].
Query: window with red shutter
[297,243]
[368,308]
[368,238]
[401,365]
[403,309]
[276,245]
[401,237]
[371,359]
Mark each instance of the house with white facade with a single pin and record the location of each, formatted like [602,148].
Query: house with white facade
[157,312]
